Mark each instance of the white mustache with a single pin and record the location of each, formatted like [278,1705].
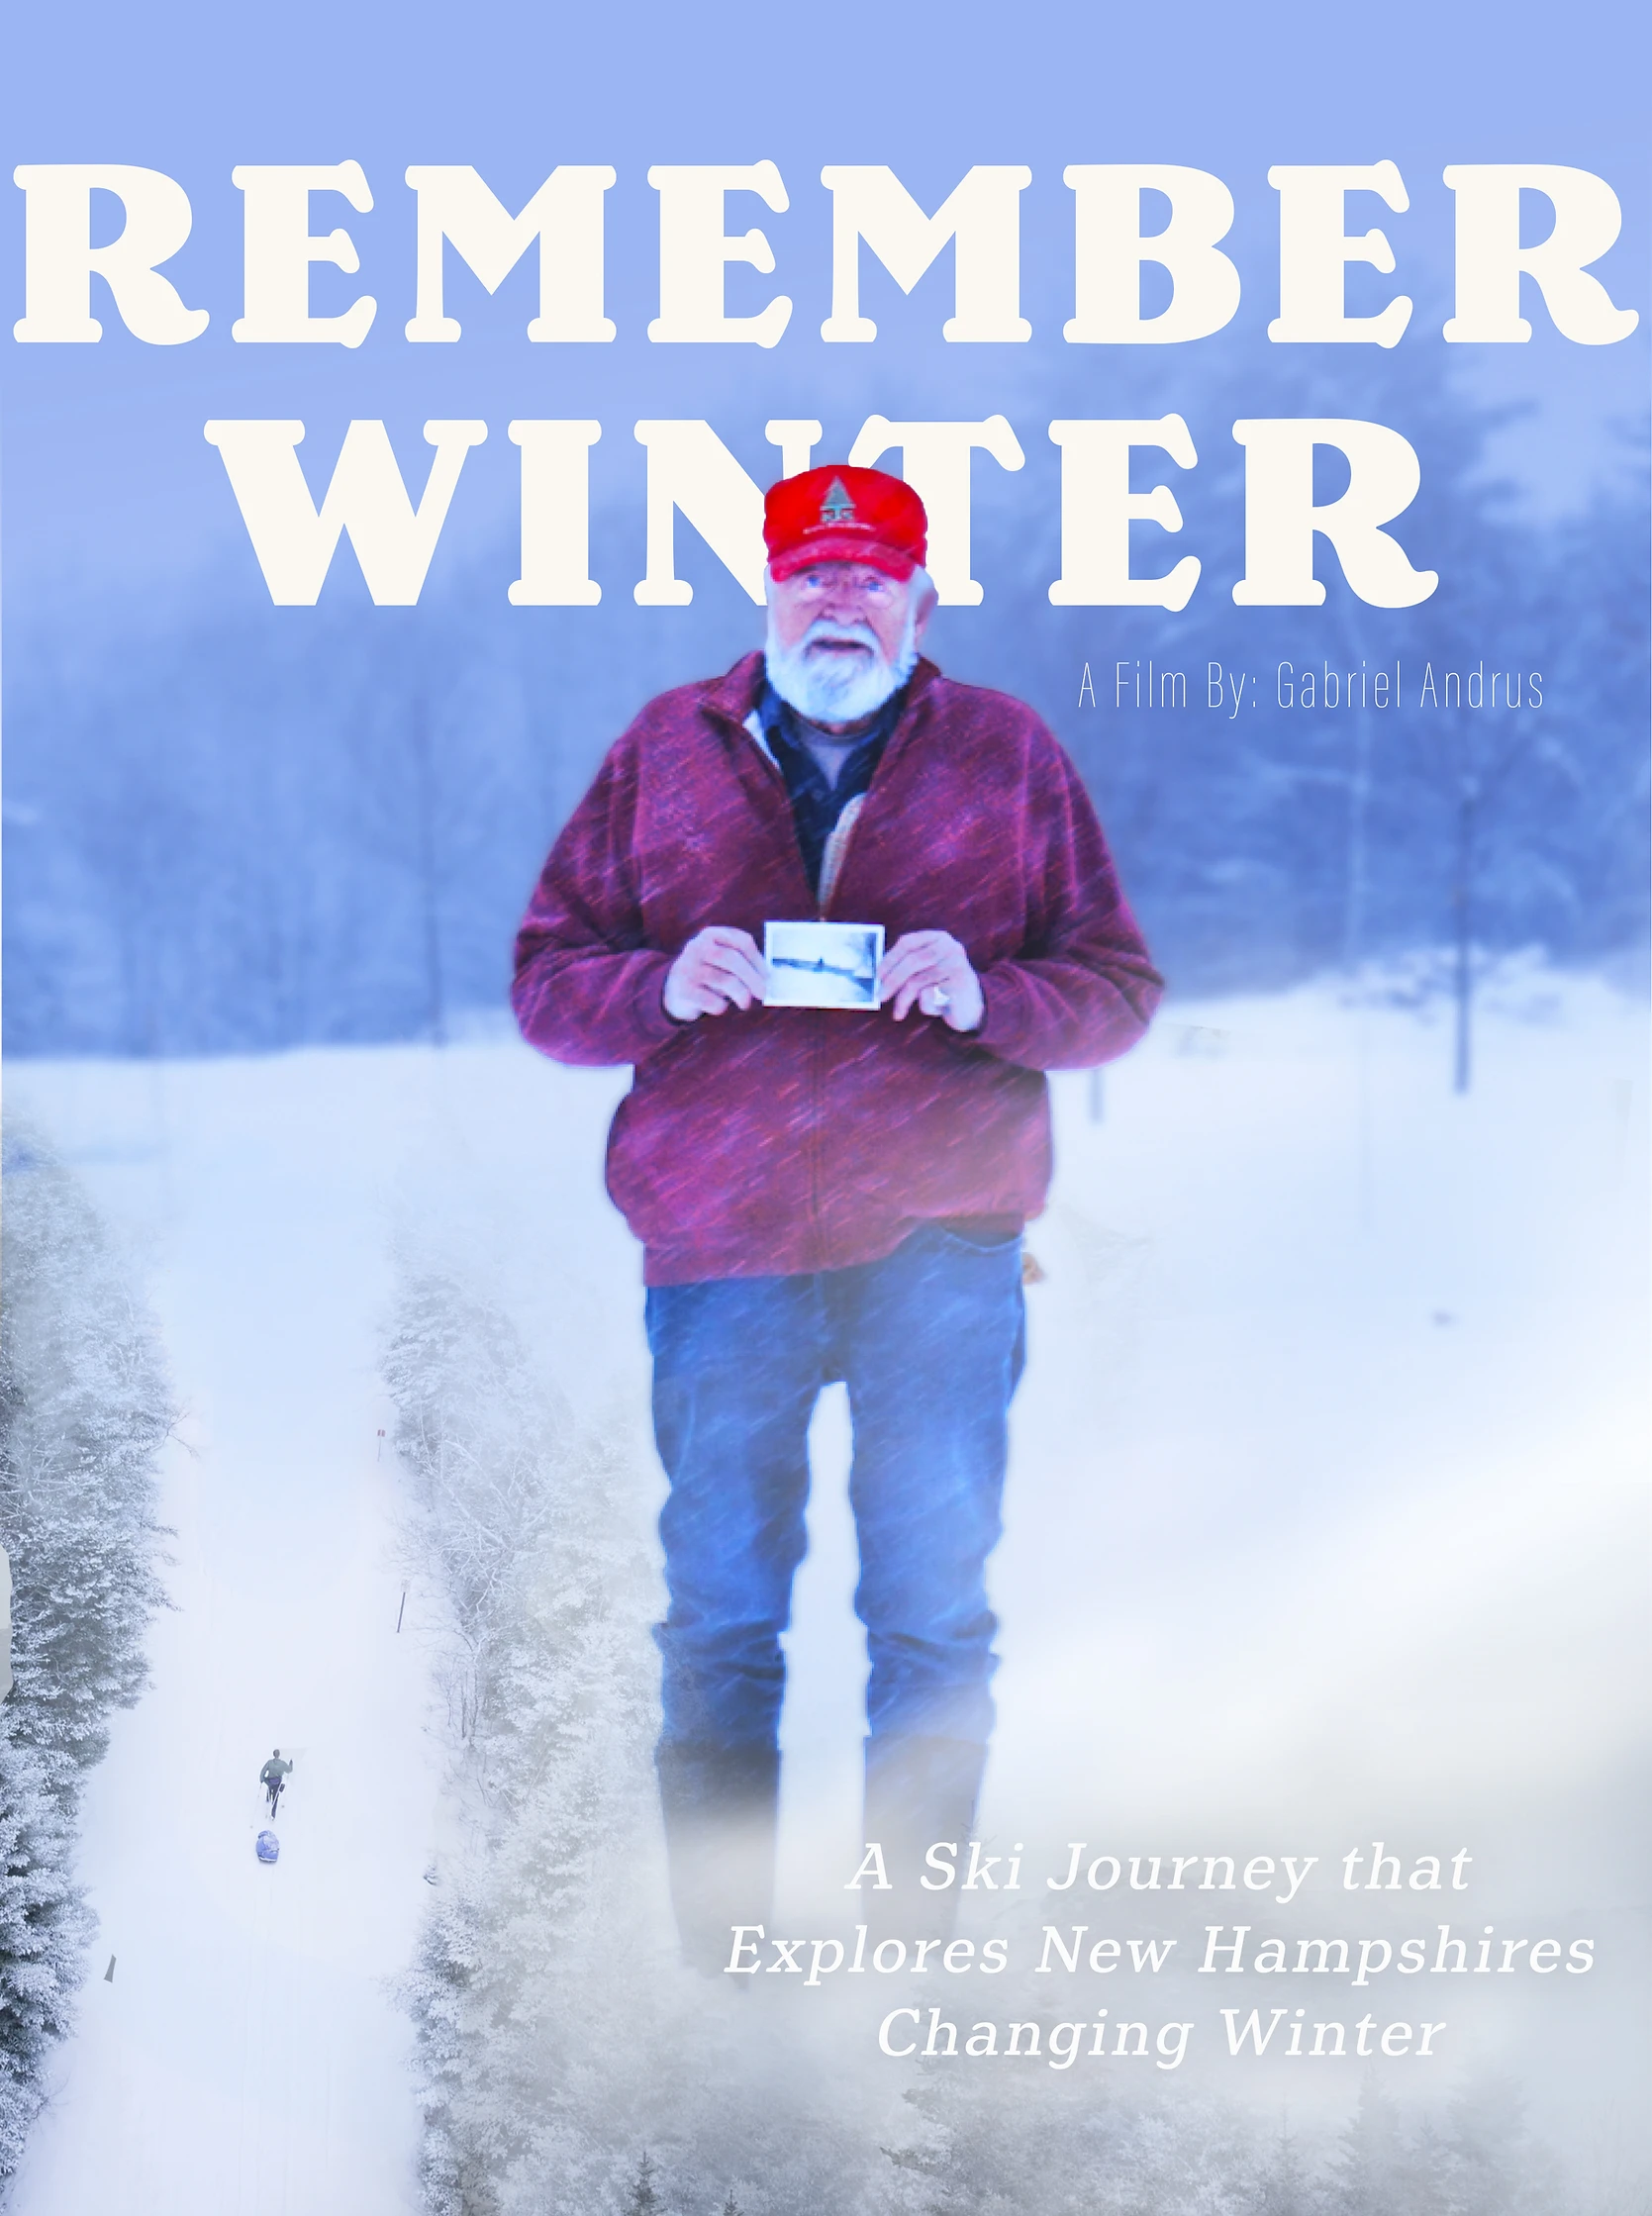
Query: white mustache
[841,634]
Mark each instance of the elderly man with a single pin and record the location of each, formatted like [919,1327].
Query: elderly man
[825,1193]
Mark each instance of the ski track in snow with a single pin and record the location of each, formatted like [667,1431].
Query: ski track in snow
[1332,1375]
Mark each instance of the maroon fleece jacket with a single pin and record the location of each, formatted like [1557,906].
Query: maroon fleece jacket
[771,1141]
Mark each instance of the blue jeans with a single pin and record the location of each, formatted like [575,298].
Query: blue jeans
[930,1342]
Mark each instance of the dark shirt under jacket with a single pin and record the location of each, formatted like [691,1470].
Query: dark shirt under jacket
[816,804]
[815,809]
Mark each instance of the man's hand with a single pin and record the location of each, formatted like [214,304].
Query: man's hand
[719,967]
[933,969]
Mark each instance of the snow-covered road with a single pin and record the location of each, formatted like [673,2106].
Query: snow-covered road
[1322,1515]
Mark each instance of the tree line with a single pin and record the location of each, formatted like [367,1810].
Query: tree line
[234,827]
[84,1408]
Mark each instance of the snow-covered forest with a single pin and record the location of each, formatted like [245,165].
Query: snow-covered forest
[1476,2157]
[84,1405]
[235,828]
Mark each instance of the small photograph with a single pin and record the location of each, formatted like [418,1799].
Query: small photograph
[822,965]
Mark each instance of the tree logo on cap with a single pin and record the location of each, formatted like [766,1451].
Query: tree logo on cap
[837,507]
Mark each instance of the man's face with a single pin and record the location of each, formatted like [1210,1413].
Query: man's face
[842,636]
[844,596]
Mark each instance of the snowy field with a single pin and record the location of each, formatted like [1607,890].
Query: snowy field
[1325,1524]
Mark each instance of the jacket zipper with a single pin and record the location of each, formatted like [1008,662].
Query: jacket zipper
[815,1048]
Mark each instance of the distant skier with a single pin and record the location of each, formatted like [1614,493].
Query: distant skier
[273,1776]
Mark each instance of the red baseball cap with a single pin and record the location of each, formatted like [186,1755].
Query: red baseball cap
[839,514]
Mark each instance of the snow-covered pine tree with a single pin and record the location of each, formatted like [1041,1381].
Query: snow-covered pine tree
[642,2199]
[1424,2187]
[1283,2187]
[84,1406]
[45,1929]
[434,1992]
[1370,2175]
[481,1439]
[1490,2163]
[1485,2162]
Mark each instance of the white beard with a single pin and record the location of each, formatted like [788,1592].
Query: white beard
[829,687]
